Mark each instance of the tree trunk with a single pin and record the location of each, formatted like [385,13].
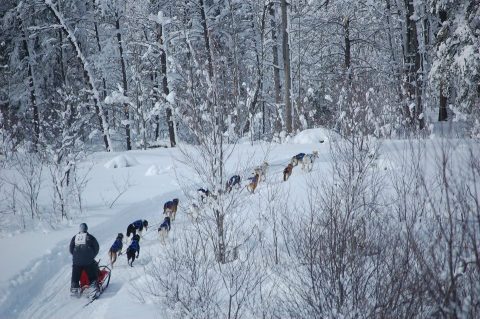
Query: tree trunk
[63,79]
[206,38]
[276,69]
[212,103]
[286,62]
[235,68]
[393,57]
[104,82]
[348,52]
[33,95]
[259,80]
[252,106]
[153,78]
[219,217]
[299,120]
[414,83]
[166,91]
[124,81]
[217,135]
[442,110]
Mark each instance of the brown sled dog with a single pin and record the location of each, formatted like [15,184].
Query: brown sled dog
[287,172]
[253,183]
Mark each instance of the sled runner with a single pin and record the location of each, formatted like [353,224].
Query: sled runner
[103,280]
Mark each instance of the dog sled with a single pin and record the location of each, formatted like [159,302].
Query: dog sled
[103,279]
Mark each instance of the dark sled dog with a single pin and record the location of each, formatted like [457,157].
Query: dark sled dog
[133,250]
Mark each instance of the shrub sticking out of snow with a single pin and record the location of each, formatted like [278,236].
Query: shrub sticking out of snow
[121,161]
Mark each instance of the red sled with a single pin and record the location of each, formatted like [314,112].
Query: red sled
[103,279]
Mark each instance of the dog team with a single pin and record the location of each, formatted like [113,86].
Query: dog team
[170,207]
[133,250]
[260,173]
[306,160]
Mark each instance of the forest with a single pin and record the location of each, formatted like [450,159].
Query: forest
[128,75]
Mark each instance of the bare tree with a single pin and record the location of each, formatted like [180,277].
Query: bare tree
[286,66]
[449,263]
[28,183]
[335,244]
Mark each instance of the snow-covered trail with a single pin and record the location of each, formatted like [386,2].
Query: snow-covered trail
[43,287]
[44,291]
[36,280]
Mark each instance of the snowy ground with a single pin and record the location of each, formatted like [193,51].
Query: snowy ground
[36,266]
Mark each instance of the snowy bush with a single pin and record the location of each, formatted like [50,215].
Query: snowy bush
[121,161]
[22,182]
[313,136]
[152,171]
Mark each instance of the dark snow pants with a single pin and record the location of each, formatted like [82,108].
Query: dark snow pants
[91,270]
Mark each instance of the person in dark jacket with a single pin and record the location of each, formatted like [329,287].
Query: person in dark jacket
[84,248]
[116,249]
[137,225]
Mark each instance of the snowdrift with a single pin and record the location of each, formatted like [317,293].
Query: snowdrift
[316,135]
[121,161]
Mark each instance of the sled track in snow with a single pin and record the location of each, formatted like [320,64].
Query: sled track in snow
[42,290]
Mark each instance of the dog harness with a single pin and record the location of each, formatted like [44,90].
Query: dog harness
[138,224]
[117,245]
[300,156]
[234,180]
[135,246]
[166,224]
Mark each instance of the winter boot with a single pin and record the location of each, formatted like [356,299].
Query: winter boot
[93,290]
[75,292]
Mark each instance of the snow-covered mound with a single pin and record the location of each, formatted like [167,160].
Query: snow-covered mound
[121,161]
[155,170]
[152,171]
[315,135]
